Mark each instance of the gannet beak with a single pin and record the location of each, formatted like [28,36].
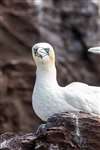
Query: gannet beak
[41,52]
[94,50]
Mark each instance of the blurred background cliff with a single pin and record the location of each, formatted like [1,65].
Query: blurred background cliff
[71,26]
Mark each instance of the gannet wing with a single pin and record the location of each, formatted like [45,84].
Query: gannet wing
[84,97]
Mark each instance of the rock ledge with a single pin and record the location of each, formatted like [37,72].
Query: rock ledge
[66,131]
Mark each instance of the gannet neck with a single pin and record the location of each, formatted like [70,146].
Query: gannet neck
[46,68]
[46,76]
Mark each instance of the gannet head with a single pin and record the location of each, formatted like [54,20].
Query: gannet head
[43,54]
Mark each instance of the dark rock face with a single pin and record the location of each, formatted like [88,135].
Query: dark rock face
[18,31]
[70,24]
[16,85]
[72,131]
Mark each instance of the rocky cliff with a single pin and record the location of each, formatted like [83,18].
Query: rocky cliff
[67,131]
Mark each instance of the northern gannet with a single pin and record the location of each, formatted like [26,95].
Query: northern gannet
[49,98]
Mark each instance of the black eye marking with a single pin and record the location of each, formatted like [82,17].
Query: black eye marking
[47,50]
[35,51]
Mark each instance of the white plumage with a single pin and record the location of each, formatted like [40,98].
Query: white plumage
[49,98]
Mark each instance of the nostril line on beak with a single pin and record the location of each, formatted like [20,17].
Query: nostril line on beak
[40,50]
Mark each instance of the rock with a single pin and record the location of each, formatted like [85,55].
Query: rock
[72,25]
[72,131]
[16,85]
[18,31]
